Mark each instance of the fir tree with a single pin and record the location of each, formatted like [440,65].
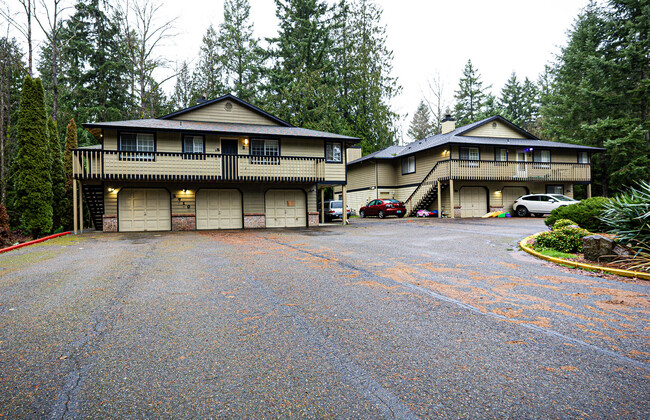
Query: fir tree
[70,144]
[511,100]
[5,229]
[421,126]
[184,91]
[59,198]
[208,74]
[240,52]
[470,96]
[33,180]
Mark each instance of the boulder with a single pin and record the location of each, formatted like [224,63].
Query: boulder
[598,248]
[622,251]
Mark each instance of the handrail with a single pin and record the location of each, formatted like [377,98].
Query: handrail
[176,166]
[426,178]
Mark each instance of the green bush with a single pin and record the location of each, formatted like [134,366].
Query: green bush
[628,215]
[566,239]
[563,223]
[585,213]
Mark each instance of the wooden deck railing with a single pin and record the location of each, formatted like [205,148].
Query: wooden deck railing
[163,166]
[524,171]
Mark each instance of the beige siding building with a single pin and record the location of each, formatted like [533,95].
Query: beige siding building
[222,164]
[469,171]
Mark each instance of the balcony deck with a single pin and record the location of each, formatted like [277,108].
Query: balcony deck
[519,171]
[162,166]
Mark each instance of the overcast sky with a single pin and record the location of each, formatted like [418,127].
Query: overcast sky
[426,37]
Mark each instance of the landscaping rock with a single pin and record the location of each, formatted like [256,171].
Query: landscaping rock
[622,251]
[598,248]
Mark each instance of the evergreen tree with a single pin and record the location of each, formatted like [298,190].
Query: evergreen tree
[208,74]
[59,198]
[70,144]
[365,85]
[511,100]
[470,96]
[529,105]
[5,229]
[301,86]
[421,126]
[33,180]
[184,91]
[240,52]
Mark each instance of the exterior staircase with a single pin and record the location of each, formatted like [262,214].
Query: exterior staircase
[94,197]
[427,191]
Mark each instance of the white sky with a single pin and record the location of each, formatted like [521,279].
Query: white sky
[426,36]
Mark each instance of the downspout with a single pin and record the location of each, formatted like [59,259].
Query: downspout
[376,181]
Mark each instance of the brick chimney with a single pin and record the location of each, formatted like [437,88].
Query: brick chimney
[448,124]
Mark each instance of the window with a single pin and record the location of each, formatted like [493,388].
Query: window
[542,156]
[501,155]
[193,144]
[333,152]
[137,142]
[408,165]
[265,151]
[531,198]
[583,157]
[555,189]
[469,153]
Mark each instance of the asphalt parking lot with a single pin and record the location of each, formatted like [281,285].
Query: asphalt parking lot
[397,318]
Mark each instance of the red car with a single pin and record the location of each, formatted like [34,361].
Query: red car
[383,207]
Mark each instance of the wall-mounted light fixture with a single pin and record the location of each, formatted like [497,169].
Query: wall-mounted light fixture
[245,142]
[110,190]
[497,192]
[184,190]
[529,149]
[445,152]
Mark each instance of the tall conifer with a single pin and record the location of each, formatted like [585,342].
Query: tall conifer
[33,180]
[59,199]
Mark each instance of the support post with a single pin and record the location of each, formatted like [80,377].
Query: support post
[451,198]
[345,204]
[322,205]
[588,190]
[439,200]
[81,208]
[74,205]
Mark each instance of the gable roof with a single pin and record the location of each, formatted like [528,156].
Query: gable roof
[231,98]
[458,137]
[217,128]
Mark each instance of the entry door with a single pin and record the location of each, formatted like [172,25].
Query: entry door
[522,168]
[229,152]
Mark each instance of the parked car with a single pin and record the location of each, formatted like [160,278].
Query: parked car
[334,210]
[383,207]
[538,204]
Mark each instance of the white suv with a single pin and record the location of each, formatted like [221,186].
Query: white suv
[537,204]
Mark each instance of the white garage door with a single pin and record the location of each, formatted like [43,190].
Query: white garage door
[286,208]
[473,202]
[510,194]
[144,209]
[218,209]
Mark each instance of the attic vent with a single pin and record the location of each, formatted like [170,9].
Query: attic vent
[494,125]
[228,106]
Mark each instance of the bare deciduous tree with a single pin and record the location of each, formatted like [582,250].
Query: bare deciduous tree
[437,102]
[25,29]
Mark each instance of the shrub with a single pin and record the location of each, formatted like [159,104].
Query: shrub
[566,239]
[563,223]
[585,213]
[628,215]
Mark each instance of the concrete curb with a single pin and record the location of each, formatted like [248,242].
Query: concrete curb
[36,241]
[618,272]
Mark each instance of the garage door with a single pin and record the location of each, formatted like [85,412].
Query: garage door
[144,210]
[218,209]
[510,194]
[473,202]
[286,208]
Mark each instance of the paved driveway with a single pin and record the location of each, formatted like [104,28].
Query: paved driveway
[395,318]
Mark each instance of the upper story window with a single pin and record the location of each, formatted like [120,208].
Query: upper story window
[193,144]
[265,151]
[583,157]
[469,153]
[137,142]
[333,152]
[408,165]
[501,155]
[542,156]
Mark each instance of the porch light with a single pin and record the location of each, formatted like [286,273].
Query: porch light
[245,142]
[110,190]
[498,192]
[184,190]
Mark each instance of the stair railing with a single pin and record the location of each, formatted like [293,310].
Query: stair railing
[440,171]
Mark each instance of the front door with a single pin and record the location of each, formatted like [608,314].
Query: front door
[522,167]
[229,152]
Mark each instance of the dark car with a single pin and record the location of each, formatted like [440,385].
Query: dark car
[383,207]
